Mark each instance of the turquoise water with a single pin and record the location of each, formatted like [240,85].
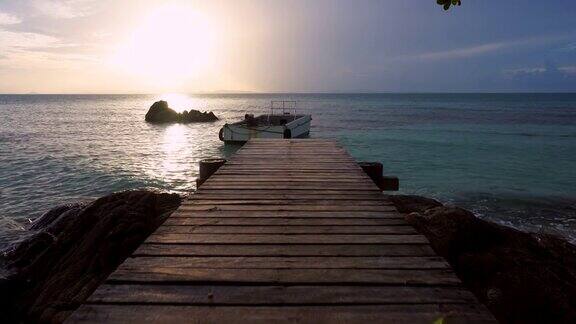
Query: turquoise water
[508,157]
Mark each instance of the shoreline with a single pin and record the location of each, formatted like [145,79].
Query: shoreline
[520,276]
[72,249]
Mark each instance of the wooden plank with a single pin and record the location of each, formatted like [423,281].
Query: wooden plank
[294,151]
[303,184]
[351,199]
[286,158]
[272,158]
[325,150]
[287,173]
[323,262]
[310,147]
[291,156]
[291,174]
[286,239]
[272,143]
[289,168]
[265,180]
[313,193]
[200,201]
[320,148]
[324,172]
[313,142]
[328,167]
[277,314]
[323,165]
[264,221]
[277,295]
[433,277]
[297,161]
[319,153]
[293,140]
[277,208]
[281,177]
[270,169]
[260,161]
[315,186]
[252,229]
[286,214]
[283,250]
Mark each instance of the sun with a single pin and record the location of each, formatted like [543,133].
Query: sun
[171,44]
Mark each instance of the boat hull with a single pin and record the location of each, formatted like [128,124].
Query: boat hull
[238,133]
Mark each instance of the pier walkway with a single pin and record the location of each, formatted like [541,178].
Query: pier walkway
[286,231]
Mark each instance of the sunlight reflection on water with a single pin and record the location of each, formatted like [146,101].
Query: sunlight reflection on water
[175,148]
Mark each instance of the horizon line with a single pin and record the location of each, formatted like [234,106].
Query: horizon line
[281,93]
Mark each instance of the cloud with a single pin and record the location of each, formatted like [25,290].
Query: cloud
[524,71]
[8,19]
[462,52]
[22,40]
[547,78]
[29,48]
[477,50]
[568,48]
[568,69]
[550,68]
[66,9]
[36,51]
[26,50]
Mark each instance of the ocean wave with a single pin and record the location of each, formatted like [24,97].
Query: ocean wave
[534,213]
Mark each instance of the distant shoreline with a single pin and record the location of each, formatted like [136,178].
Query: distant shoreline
[300,93]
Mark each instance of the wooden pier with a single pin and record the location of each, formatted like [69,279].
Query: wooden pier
[286,231]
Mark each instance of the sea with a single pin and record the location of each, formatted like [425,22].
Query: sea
[509,158]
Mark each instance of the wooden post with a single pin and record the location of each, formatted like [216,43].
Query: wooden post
[375,171]
[207,168]
[390,184]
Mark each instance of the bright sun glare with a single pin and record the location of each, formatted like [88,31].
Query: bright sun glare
[172,44]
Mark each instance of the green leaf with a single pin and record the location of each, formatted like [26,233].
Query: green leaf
[439,321]
[447,3]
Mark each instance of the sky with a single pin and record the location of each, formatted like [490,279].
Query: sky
[148,46]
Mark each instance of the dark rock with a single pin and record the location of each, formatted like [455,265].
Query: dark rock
[159,112]
[50,217]
[409,203]
[521,277]
[75,247]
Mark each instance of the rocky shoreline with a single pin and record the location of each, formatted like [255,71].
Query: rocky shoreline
[73,248]
[520,277]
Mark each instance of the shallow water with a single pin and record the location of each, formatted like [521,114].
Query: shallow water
[508,157]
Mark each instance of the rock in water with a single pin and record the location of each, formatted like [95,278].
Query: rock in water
[74,248]
[160,113]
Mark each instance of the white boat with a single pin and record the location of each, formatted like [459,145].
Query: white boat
[281,122]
